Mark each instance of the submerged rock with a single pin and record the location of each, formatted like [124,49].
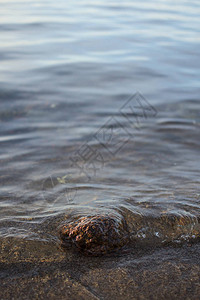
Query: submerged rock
[96,235]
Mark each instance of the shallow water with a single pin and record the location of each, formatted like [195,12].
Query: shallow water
[99,113]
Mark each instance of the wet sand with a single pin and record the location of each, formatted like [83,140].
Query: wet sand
[39,270]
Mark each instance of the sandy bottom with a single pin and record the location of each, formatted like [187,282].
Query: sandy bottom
[40,270]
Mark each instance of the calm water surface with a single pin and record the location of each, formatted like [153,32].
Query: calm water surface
[66,148]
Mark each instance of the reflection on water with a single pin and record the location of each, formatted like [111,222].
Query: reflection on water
[67,72]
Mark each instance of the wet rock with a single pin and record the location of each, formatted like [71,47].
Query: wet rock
[95,235]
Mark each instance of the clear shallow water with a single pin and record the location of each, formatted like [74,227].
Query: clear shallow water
[66,72]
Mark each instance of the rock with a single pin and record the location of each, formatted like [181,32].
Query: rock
[95,235]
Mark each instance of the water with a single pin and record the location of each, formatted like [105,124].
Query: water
[67,71]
